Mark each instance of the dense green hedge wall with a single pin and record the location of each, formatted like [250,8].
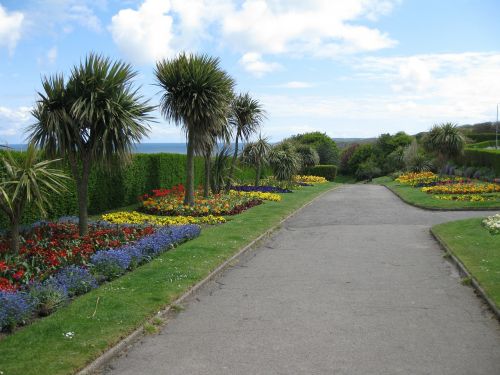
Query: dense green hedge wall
[481,158]
[480,137]
[327,171]
[121,185]
[482,144]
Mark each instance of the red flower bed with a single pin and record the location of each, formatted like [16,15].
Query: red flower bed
[51,246]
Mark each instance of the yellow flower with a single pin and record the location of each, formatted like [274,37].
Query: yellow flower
[310,179]
[135,217]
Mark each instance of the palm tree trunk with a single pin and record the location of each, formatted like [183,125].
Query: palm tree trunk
[189,194]
[233,162]
[257,173]
[206,183]
[82,184]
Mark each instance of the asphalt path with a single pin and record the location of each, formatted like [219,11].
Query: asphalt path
[353,284]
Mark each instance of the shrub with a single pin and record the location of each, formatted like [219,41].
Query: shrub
[15,309]
[367,170]
[481,158]
[74,279]
[111,264]
[48,296]
[327,171]
[309,156]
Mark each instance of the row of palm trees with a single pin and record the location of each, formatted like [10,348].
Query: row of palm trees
[95,117]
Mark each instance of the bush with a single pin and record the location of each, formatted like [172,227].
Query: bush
[48,297]
[327,171]
[15,309]
[367,170]
[481,158]
[480,137]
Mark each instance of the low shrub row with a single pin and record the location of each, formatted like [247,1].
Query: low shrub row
[481,158]
[327,171]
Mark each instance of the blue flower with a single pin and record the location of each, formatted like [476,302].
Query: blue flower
[111,263]
[75,280]
[15,308]
[261,189]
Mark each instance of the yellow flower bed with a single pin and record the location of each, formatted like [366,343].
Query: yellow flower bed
[257,195]
[135,217]
[463,197]
[414,178]
[462,189]
[310,179]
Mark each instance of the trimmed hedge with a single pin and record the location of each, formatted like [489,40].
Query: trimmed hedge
[327,171]
[484,144]
[481,158]
[480,137]
[122,185]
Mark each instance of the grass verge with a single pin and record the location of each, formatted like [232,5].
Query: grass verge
[418,198]
[477,250]
[102,317]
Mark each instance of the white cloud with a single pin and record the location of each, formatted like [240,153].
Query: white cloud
[11,24]
[13,122]
[253,63]
[52,55]
[296,85]
[144,35]
[318,28]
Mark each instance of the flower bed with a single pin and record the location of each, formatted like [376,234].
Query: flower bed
[47,247]
[43,296]
[257,195]
[413,179]
[492,223]
[462,188]
[310,179]
[466,197]
[262,189]
[135,217]
[170,202]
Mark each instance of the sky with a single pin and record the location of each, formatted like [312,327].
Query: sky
[349,68]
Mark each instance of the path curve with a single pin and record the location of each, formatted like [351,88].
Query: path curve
[353,284]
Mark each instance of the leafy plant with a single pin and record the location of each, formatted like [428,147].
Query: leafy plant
[284,161]
[445,141]
[257,154]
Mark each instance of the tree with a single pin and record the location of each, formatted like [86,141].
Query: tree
[29,181]
[285,161]
[257,154]
[308,155]
[197,95]
[93,119]
[325,146]
[246,117]
[445,141]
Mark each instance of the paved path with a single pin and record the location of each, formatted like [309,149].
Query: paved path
[354,284]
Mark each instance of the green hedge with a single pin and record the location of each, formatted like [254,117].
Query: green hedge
[481,158]
[121,185]
[480,137]
[484,144]
[327,171]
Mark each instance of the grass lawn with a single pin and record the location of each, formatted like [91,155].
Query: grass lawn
[478,251]
[99,319]
[420,199]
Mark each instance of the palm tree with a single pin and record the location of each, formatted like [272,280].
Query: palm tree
[247,116]
[197,94]
[257,154]
[218,132]
[285,161]
[29,181]
[446,141]
[92,119]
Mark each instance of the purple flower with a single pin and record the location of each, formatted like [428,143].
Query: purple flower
[262,189]
[74,280]
[15,308]
[111,263]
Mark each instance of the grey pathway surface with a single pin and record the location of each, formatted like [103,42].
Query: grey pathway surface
[354,284]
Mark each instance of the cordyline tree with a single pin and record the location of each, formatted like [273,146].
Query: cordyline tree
[446,141]
[92,119]
[24,182]
[197,94]
[256,154]
[247,115]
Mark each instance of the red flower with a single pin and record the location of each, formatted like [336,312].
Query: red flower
[6,286]
[3,266]
[18,275]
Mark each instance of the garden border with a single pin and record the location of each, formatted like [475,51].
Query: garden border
[438,208]
[138,333]
[463,271]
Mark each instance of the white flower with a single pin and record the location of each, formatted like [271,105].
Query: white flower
[69,335]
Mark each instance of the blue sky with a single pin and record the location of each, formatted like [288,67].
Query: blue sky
[354,68]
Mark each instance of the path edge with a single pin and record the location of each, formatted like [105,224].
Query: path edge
[463,271]
[138,333]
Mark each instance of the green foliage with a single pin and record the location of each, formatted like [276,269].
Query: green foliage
[284,161]
[360,155]
[308,155]
[220,169]
[484,144]
[480,137]
[367,170]
[446,141]
[481,158]
[327,171]
[325,146]
[345,158]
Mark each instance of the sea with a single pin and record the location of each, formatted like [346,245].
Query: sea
[139,148]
